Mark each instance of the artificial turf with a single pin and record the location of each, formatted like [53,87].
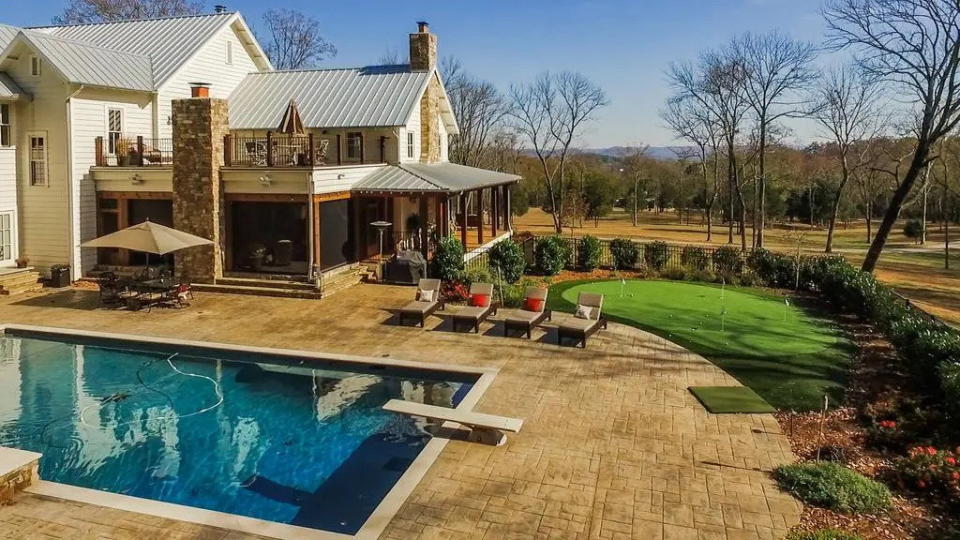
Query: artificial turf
[731,400]
[791,356]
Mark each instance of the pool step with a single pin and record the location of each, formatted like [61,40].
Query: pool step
[19,282]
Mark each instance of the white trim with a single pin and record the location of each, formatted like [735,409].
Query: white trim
[36,62]
[11,261]
[107,107]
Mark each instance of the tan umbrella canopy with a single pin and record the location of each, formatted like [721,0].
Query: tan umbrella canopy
[148,237]
[291,123]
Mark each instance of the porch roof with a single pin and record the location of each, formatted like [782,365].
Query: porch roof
[431,178]
[9,89]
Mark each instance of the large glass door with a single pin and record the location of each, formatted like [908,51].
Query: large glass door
[8,239]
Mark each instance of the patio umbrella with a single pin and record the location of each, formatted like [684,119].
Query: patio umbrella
[291,123]
[148,237]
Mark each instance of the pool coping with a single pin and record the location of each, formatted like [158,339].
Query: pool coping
[371,528]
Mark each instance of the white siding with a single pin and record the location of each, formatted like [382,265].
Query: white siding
[88,120]
[413,125]
[334,179]
[8,191]
[44,210]
[208,65]
[444,143]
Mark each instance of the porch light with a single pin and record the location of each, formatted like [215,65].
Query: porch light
[266,180]
[136,179]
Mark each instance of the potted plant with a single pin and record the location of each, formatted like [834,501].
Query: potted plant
[126,150]
[22,262]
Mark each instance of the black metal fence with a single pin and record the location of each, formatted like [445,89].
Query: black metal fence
[133,151]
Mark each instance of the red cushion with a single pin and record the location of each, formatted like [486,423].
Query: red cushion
[479,300]
[533,304]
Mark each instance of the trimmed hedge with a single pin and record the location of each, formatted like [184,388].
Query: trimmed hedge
[507,257]
[829,485]
[588,253]
[448,259]
[656,254]
[552,255]
[625,253]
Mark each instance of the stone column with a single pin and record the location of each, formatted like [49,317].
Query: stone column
[199,127]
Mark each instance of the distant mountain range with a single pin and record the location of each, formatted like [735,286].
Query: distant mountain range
[667,153]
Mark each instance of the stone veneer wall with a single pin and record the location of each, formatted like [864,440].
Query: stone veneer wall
[430,122]
[199,126]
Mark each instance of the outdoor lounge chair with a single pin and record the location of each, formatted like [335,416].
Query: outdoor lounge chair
[530,315]
[472,315]
[421,307]
[588,319]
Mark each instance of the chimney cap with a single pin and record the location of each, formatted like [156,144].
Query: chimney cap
[423,26]
[219,8]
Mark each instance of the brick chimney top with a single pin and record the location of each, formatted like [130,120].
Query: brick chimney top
[423,48]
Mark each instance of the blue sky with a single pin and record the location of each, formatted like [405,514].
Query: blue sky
[624,46]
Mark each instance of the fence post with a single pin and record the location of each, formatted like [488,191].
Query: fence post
[139,150]
[99,151]
[269,149]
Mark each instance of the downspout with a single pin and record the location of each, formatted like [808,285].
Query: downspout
[74,242]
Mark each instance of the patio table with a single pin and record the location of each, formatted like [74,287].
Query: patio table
[150,292]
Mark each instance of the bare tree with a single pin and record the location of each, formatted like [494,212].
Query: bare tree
[390,57]
[716,83]
[915,45]
[692,123]
[95,11]
[635,161]
[293,40]
[479,109]
[550,114]
[846,106]
[776,70]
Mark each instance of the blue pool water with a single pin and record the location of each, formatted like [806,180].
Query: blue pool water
[257,436]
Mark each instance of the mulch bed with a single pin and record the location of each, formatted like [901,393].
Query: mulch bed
[839,435]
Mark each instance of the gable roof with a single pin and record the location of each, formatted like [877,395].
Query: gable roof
[82,63]
[431,177]
[168,42]
[372,96]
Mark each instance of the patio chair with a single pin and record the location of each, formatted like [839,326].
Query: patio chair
[530,315]
[587,319]
[426,302]
[480,307]
[111,290]
[320,153]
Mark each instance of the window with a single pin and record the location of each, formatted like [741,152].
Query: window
[354,145]
[114,129]
[35,66]
[38,160]
[229,53]
[5,124]
[410,144]
[6,236]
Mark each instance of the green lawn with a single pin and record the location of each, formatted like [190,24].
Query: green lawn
[787,354]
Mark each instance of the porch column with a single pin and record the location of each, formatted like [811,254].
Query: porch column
[495,210]
[316,235]
[424,200]
[440,201]
[463,219]
[480,216]
[507,217]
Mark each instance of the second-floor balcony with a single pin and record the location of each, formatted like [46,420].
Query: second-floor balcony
[133,151]
[307,150]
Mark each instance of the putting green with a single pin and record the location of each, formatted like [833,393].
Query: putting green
[787,354]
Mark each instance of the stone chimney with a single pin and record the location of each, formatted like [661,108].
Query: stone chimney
[199,127]
[423,48]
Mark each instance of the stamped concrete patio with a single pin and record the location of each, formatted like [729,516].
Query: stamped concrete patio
[613,445]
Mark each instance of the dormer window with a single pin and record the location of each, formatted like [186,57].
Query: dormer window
[229,53]
[35,64]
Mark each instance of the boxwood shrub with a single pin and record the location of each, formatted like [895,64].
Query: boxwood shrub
[552,255]
[728,262]
[694,258]
[656,255]
[833,486]
[506,256]
[625,253]
[588,253]
[448,259]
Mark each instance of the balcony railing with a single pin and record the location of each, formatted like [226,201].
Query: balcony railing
[134,152]
[283,150]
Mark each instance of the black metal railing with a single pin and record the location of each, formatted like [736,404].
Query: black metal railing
[276,150]
[133,151]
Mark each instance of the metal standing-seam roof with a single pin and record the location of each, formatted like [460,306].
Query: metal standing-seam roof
[373,96]
[167,41]
[431,177]
[9,88]
[7,33]
[88,64]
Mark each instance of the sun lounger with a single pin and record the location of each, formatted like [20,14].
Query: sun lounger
[427,301]
[588,320]
[531,314]
[472,315]
[485,428]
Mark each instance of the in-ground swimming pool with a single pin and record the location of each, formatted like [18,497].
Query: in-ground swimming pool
[241,433]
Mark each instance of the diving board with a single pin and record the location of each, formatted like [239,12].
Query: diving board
[486,428]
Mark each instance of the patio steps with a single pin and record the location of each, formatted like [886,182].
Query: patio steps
[19,282]
[284,288]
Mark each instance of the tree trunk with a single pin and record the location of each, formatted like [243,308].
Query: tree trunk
[923,215]
[893,211]
[869,221]
[636,198]
[732,181]
[761,219]
[835,209]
